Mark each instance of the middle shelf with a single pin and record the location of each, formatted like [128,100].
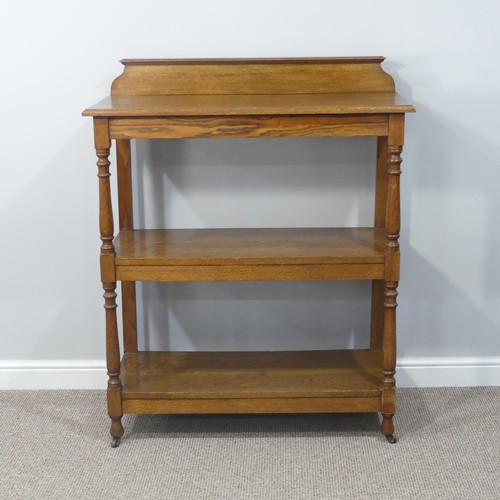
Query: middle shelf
[250,254]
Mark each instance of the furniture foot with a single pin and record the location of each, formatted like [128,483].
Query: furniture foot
[115,442]
[387,427]
[116,430]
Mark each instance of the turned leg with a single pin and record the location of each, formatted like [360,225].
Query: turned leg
[388,403]
[113,364]
[108,278]
[392,257]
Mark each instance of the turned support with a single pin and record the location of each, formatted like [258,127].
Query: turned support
[113,361]
[392,257]
[388,405]
[102,145]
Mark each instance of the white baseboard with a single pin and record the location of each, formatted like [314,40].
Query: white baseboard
[50,374]
[91,374]
[448,372]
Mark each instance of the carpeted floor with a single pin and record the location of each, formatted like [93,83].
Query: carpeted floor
[55,444]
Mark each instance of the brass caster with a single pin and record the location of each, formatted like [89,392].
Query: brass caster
[115,442]
[391,439]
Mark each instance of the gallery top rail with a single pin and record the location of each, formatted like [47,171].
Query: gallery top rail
[149,77]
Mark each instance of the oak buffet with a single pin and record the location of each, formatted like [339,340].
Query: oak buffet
[158,99]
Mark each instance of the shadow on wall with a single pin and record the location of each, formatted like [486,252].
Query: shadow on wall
[445,295]
[450,268]
[256,182]
[261,183]
[449,290]
[256,316]
[51,299]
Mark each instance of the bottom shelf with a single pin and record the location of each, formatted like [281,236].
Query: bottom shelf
[251,382]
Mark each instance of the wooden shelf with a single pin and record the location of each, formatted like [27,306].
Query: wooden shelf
[200,381]
[227,105]
[223,247]
[250,254]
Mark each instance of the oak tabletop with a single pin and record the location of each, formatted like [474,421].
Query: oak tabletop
[280,104]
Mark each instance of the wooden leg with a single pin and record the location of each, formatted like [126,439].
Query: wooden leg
[377,324]
[381,181]
[129,312]
[126,218]
[388,405]
[124,179]
[108,278]
[392,226]
[113,363]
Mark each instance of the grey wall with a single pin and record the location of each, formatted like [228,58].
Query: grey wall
[60,58]
[262,183]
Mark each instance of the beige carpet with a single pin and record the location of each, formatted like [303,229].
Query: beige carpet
[54,444]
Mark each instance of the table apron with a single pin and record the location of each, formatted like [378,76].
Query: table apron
[180,127]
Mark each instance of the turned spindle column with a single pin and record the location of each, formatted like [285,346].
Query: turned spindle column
[102,145]
[392,228]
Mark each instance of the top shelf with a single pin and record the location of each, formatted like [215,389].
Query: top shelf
[192,87]
[227,105]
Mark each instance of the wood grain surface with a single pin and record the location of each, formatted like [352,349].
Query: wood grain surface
[253,246]
[249,105]
[180,127]
[279,76]
[207,375]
